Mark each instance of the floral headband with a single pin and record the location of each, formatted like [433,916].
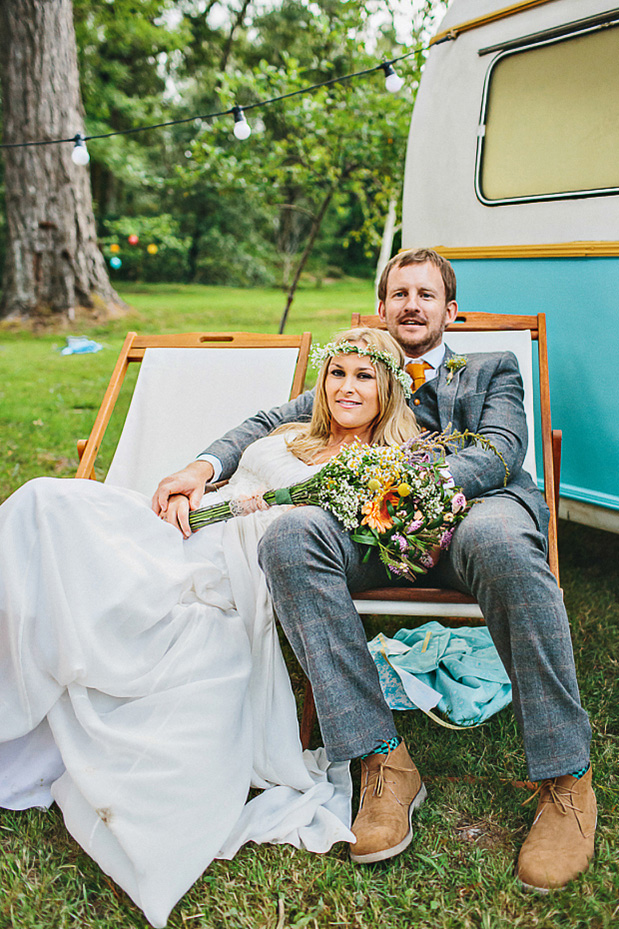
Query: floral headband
[320,353]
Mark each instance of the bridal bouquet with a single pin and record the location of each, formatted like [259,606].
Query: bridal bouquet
[401,501]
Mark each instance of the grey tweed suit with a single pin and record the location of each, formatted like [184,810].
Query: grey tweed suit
[498,554]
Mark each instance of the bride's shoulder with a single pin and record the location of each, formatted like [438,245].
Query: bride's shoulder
[266,447]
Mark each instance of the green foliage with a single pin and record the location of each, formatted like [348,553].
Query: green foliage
[145,61]
[169,263]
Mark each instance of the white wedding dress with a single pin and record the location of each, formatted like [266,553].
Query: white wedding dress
[141,679]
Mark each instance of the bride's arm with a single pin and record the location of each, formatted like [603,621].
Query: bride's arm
[190,481]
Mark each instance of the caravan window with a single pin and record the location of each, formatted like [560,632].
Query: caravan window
[551,121]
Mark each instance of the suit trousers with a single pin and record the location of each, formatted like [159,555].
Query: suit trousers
[497,554]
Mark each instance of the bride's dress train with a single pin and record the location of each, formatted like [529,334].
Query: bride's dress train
[141,680]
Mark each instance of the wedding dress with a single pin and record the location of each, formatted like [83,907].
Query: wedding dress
[142,685]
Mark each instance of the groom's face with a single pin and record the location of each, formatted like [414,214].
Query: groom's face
[415,309]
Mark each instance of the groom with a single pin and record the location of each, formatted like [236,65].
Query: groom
[498,554]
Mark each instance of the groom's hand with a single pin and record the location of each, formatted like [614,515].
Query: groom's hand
[189,482]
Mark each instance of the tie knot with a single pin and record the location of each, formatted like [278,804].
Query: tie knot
[417,371]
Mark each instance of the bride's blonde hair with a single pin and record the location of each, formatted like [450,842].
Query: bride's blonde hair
[395,422]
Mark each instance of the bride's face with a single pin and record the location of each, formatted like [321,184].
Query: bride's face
[352,393]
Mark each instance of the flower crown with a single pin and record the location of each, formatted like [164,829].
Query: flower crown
[320,353]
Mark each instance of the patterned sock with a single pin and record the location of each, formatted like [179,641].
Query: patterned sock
[583,771]
[384,747]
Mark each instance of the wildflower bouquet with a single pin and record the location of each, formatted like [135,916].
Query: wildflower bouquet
[401,501]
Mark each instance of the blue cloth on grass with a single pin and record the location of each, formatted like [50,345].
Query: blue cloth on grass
[80,345]
[462,664]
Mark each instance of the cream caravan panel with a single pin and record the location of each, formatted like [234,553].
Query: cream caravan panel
[440,204]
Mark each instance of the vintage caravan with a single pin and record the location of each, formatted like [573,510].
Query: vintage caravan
[512,172]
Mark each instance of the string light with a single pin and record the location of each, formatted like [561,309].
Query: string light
[393,81]
[242,129]
[80,155]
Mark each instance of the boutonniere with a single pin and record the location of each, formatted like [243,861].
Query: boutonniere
[453,364]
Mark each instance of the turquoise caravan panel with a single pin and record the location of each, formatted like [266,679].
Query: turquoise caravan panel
[580,297]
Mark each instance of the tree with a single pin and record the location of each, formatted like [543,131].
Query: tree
[53,264]
[314,154]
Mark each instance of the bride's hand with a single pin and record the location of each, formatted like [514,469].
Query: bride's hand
[177,513]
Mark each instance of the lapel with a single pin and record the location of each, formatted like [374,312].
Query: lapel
[446,392]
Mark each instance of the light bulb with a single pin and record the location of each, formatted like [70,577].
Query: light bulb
[242,129]
[393,81]
[80,155]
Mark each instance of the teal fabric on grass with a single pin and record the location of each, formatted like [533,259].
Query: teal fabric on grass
[461,664]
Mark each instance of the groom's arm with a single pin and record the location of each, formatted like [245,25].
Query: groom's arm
[228,450]
[230,447]
[492,406]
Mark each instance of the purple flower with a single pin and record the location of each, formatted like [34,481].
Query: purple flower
[426,561]
[458,502]
[400,541]
[398,569]
[414,526]
[446,539]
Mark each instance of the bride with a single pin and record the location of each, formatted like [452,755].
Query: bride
[142,685]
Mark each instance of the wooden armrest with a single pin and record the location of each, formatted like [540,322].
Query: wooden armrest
[211,488]
[557,438]
[81,448]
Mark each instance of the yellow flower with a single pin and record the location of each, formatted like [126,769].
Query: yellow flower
[373,484]
[404,490]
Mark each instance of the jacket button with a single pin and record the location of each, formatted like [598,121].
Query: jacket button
[416,401]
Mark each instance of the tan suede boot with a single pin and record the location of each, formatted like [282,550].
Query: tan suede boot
[560,844]
[391,789]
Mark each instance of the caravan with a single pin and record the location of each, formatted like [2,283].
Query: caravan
[512,173]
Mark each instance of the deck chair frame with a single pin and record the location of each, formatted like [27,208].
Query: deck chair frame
[133,350]
[460,608]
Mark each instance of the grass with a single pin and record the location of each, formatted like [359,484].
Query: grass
[458,873]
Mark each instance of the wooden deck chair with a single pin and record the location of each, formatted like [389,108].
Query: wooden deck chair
[477,332]
[191,389]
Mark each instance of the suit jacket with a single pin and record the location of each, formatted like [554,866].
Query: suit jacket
[486,397]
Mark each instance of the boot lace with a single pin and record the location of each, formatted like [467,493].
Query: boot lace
[551,792]
[381,780]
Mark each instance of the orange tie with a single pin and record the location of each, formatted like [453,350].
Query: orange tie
[417,371]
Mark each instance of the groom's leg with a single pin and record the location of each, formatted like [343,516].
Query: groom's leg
[311,564]
[499,555]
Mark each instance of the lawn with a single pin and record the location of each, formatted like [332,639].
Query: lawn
[458,873]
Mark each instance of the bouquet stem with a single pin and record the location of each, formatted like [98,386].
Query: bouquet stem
[295,495]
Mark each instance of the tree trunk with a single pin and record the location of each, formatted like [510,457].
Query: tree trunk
[306,253]
[386,244]
[53,264]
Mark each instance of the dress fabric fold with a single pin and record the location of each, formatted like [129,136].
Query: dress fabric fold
[142,685]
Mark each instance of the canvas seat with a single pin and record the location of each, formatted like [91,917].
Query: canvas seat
[190,390]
